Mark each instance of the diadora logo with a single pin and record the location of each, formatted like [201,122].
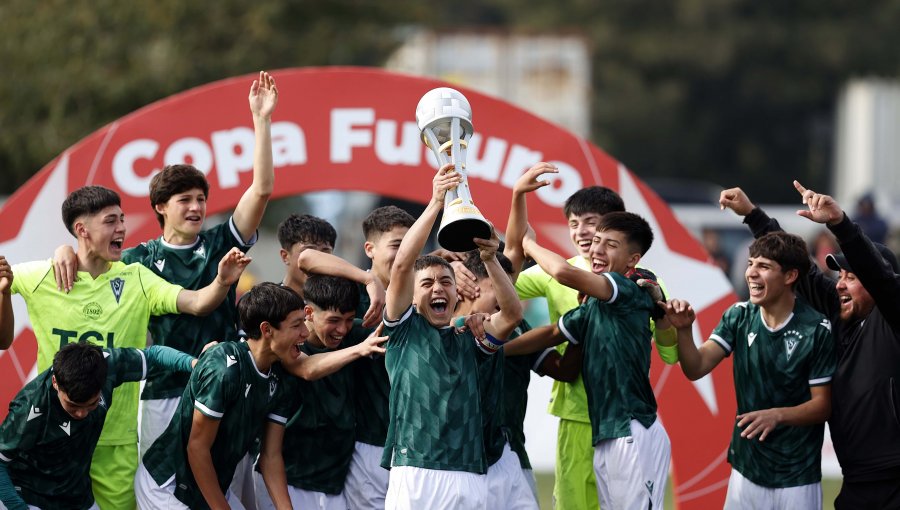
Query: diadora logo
[791,340]
[92,310]
[117,285]
[160,265]
[750,338]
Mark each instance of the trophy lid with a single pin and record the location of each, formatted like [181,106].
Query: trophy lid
[438,106]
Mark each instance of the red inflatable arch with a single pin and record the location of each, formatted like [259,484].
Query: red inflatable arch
[354,129]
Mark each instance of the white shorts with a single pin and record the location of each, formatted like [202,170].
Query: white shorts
[31,507]
[242,485]
[746,495]
[631,471]
[151,496]
[367,482]
[413,488]
[300,499]
[506,484]
[532,481]
[155,417]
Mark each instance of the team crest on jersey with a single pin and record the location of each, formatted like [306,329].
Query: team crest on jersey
[160,265]
[272,386]
[791,340]
[92,310]
[117,284]
[201,251]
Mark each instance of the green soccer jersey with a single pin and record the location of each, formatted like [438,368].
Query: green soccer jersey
[435,405]
[516,377]
[371,392]
[46,451]
[193,267]
[490,381]
[776,368]
[616,338]
[227,386]
[320,435]
[110,311]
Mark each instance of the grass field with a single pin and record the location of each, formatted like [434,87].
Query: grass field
[830,489]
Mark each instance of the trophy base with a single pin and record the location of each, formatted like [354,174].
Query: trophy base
[457,235]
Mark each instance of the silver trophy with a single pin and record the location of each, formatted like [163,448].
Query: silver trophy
[445,119]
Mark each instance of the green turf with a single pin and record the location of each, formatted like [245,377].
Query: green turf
[830,489]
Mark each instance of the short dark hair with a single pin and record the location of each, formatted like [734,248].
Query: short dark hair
[331,293]
[593,199]
[426,261]
[474,264]
[80,371]
[384,219]
[87,200]
[266,302]
[636,229]
[305,228]
[789,250]
[172,180]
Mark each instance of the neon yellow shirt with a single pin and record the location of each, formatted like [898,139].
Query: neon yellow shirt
[110,311]
[569,400]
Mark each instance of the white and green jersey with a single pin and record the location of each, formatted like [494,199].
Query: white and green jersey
[227,386]
[110,311]
[46,451]
[516,377]
[776,368]
[320,434]
[435,404]
[193,267]
[616,369]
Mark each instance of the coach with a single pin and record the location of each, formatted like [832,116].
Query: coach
[863,305]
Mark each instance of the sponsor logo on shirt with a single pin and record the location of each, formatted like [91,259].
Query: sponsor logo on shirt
[160,264]
[750,338]
[34,413]
[66,427]
[92,310]
[117,284]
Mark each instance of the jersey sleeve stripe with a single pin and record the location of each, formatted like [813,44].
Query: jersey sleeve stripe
[143,364]
[540,360]
[277,419]
[406,315]
[207,411]
[722,343]
[4,458]
[820,381]
[237,235]
[565,332]
[615,288]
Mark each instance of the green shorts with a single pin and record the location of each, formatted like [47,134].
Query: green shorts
[112,476]
[575,487]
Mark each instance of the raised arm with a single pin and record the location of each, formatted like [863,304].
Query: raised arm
[250,209]
[554,265]
[7,318]
[695,363]
[203,434]
[205,300]
[502,323]
[324,364]
[400,291]
[314,261]
[517,224]
[812,412]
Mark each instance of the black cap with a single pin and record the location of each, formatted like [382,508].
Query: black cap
[836,262]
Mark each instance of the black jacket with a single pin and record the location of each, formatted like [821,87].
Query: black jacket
[865,390]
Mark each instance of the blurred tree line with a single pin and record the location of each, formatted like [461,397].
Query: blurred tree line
[737,92]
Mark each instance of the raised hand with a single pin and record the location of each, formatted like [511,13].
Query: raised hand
[376,293]
[374,344]
[445,179]
[679,313]
[466,283]
[475,324]
[487,248]
[231,266]
[6,276]
[822,208]
[65,267]
[529,182]
[736,200]
[263,95]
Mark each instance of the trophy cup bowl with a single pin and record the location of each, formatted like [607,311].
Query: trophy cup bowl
[445,119]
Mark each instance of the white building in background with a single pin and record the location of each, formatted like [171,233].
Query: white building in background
[867,154]
[548,75]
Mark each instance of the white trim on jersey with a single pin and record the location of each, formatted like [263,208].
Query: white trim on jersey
[277,419]
[778,327]
[237,235]
[207,411]
[615,286]
[4,458]
[540,360]
[722,343]
[565,332]
[819,381]
[143,363]
[406,315]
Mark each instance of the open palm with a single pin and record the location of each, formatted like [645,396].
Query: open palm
[263,95]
